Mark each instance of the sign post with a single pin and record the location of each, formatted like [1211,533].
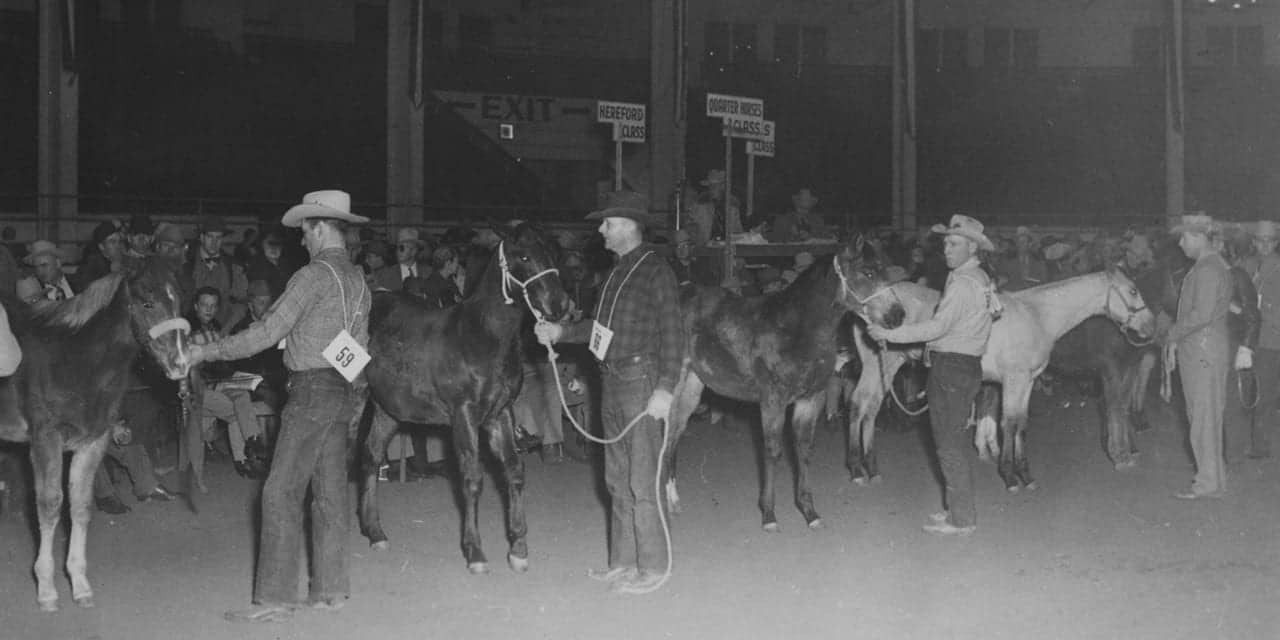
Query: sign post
[758,144]
[738,114]
[628,119]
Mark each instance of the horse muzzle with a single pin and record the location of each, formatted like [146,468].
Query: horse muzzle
[1142,323]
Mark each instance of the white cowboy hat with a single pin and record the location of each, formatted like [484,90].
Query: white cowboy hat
[966,227]
[1057,251]
[410,235]
[42,247]
[1265,229]
[1196,223]
[322,204]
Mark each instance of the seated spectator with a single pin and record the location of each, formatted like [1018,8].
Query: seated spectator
[219,400]
[103,254]
[377,255]
[270,264]
[49,281]
[140,235]
[1023,269]
[800,224]
[440,288]
[409,264]
[211,267]
[689,268]
[270,363]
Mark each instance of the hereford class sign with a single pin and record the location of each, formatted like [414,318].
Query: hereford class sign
[628,119]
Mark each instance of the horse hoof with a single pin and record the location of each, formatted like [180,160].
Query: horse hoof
[877,479]
[1013,488]
[49,606]
[860,481]
[1032,486]
[478,568]
[518,565]
[1126,465]
[381,545]
[815,524]
[771,527]
[85,602]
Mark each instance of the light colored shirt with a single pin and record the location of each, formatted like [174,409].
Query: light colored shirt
[1203,304]
[408,271]
[10,351]
[308,315]
[962,323]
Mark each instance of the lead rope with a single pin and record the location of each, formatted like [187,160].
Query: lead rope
[552,356]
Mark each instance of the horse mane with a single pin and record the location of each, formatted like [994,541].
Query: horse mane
[798,290]
[74,313]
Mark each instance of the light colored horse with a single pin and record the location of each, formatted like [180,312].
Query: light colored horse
[1018,351]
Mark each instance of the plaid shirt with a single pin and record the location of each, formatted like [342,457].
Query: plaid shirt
[643,314]
[308,316]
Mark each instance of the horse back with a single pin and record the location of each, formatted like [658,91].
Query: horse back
[427,361]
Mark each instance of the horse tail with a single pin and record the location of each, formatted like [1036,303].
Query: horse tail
[986,432]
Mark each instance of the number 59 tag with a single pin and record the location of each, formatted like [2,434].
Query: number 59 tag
[346,355]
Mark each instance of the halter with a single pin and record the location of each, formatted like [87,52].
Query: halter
[165,326]
[1132,311]
[844,285]
[509,280]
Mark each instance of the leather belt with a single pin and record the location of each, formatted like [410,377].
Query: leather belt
[612,365]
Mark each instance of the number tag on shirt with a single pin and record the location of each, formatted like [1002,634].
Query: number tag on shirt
[601,336]
[346,355]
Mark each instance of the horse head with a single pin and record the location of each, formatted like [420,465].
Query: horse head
[861,271]
[1126,307]
[156,312]
[528,263]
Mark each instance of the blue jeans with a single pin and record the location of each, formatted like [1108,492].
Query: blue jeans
[311,450]
[953,384]
[630,465]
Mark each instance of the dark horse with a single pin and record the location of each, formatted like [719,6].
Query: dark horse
[460,367]
[778,350]
[74,372]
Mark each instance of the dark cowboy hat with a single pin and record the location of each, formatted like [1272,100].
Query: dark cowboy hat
[140,223]
[625,204]
[214,224]
[105,230]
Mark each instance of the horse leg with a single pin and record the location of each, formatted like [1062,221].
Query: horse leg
[502,443]
[804,416]
[1116,393]
[46,464]
[84,464]
[772,416]
[1017,396]
[687,393]
[864,405]
[1137,401]
[986,411]
[375,453]
[467,446]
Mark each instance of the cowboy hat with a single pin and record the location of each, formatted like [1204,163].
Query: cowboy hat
[170,233]
[1265,229]
[625,204]
[42,247]
[104,230]
[1196,223]
[1022,231]
[407,235]
[140,223]
[806,196]
[214,224]
[1057,251]
[966,227]
[260,288]
[322,204]
[714,176]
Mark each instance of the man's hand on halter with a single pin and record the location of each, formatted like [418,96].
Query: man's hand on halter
[548,333]
[195,354]
[877,332]
[659,404]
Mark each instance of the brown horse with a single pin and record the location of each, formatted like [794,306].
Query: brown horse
[67,391]
[460,366]
[777,350]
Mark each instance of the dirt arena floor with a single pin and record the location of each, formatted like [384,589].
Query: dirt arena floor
[1092,554]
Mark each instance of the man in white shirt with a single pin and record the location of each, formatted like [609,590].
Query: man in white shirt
[49,282]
